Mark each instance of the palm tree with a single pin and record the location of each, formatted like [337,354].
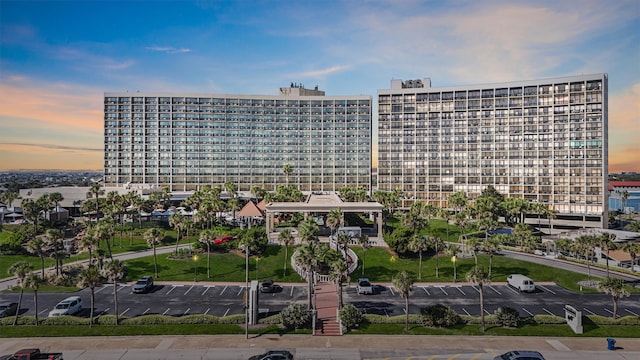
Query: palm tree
[453,250]
[633,248]
[96,190]
[37,246]
[493,245]
[89,241]
[114,270]
[286,238]
[20,270]
[34,281]
[104,230]
[308,230]
[31,212]
[418,244]
[584,245]
[606,244]
[308,257]
[339,275]
[473,245]
[55,198]
[363,241]
[477,276]
[177,221]
[335,220]
[53,243]
[403,281]
[153,237]
[90,278]
[616,288]
[287,170]
[206,237]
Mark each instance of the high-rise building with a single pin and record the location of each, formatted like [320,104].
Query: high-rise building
[541,140]
[184,141]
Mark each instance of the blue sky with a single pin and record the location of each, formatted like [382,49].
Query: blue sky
[57,58]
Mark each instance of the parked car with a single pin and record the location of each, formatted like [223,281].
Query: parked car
[267,286]
[364,286]
[520,355]
[274,355]
[32,354]
[143,285]
[521,282]
[8,309]
[69,306]
[224,239]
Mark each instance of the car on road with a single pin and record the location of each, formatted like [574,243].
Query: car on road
[364,286]
[224,239]
[8,309]
[268,286]
[143,285]
[520,355]
[69,306]
[274,355]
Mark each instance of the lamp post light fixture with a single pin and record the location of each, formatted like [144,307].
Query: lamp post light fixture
[195,268]
[455,275]
[392,260]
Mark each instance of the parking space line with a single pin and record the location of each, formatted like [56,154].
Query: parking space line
[512,289]
[611,312]
[170,290]
[465,311]
[548,312]
[206,312]
[223,289]
[527,311]
[460,289]
[589,311]
[124,312]
[45,310]
[189,289]
[186,311]
[106,311]
[546,289]
[487,312]
[241,290]
[166,311]
[386,313]
[146,311]
[441,288]
[99,289]
[206,288]
[496,291]
[120,287]
[476,289]
[391,289]
[425,290]
[225,313]
[631,312]
[291,292]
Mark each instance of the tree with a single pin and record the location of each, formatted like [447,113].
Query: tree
[31,211]
[633,248]
[287,171]
[206,237]
[453,250]
[614,287]
[493,245]
[403,281]
[154,237]
[90,278]
[584,246]
[418,244]
[89,242]
[473,245]
[335,220]
[522,234]
[286,238]
[20,270]
[114,270]
[178,222]
[458,200]
[308,257]
[55,198]
[53,239]
[605,240]
[308,230]
[363,241]
[34,281]
[104,230]
[96,190]
[338,274]
[478,277]
[37,246]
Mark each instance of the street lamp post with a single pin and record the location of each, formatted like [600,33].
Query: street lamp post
[257,261]
[246,294]
[392,260]
[195,268]
[455,275]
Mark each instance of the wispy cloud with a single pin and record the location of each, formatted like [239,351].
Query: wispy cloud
[168,49]
[53,146]
[322,72]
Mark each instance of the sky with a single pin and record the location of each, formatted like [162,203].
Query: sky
[58,58]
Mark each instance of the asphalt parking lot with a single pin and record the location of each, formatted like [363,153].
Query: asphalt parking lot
[228,299]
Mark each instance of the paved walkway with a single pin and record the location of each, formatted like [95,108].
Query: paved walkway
[327,307]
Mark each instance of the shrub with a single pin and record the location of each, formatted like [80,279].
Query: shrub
[350,316]
[439,316]
[66,320]
[296,316]
[398,319]
[232,319]
[507,317]
[548,319]
[270,320]
[476,320]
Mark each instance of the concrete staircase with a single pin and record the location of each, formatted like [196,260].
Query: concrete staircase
[327,309]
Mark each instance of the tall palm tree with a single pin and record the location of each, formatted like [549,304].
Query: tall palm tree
[493,245]
[37,246]
[363,241]
[403,281]
[55,198]
[614,287]
[308,230]
[54,244]
[605,240]
[90,278]
[309,257]
[585,245]
[34,281]
[177,221]
[20,270]
[287,171]
[31,212]
[335,220]
[453,250]
[104,231]
[479,277]
[89,241]
[437,244]
[96,190]
[153,237]
[286,238]
[418,244]
[114,270]
[206,237]
[473,244]
[339,275]
[458,200]
[633,248]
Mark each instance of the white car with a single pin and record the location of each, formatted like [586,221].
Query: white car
[69,306]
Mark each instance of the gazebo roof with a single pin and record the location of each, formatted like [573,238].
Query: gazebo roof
[249,210]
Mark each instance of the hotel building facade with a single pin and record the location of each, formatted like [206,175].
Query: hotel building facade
[541,140]
[184,141]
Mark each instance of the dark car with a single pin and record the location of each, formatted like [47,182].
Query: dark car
[273,355]
[8,309]
[267,286]
[143,285]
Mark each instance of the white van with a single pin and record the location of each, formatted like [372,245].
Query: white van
[521,282]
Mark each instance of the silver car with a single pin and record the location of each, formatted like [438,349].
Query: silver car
[520,355]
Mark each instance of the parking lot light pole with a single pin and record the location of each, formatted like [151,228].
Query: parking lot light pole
[246,294]
[455,275]
[195,268]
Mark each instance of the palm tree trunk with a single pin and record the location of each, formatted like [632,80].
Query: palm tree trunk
[35,300]
[490,262]
[208,260]
[482,308]
[15,320]
[607,260]
[177,241]
[42,262]
[310,290]
[406,316]
[615,307]
[286,256]
[93,299]
[420,269]
[155,261]
[437,270]
[364,255]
